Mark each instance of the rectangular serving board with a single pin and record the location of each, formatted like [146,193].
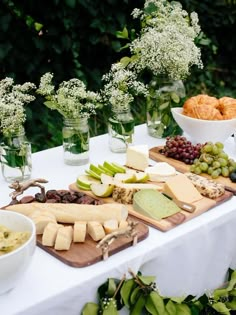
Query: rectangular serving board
[85,254]
[154,154]
[171,222]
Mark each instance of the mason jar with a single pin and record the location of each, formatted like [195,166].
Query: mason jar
[75,133]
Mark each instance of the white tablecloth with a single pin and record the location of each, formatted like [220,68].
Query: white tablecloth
[189,259]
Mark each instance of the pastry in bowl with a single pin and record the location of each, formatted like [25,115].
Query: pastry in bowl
[210,108]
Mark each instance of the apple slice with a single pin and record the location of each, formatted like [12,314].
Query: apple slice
[95,169]
[125,178]
[142,177]
[83,187]
[86,180]
[107,179]
[102,190]
[105,170]
[119,168]
[93,174]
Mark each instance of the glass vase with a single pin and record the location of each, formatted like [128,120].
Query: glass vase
[15,154]
[75,133]
[164,94]
[120,130]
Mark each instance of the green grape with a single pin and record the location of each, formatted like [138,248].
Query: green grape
[231,169]
[215,173]
[197,170]
[215,150]
[232,163]
[210,170]
[207,148]
[196,161]
[225,171]
[219,145]
[223,155]
[223,162]
[216,164]
[203,166]
[192,168]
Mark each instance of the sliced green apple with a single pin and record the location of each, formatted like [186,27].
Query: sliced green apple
[102,190]
[95,169]
[83,187]
[93,174]
[119,168]
[125,178]
[105,170]
[142,177]
[107,179]
[86,180]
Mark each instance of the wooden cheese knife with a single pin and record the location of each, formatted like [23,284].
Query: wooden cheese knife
[182,204]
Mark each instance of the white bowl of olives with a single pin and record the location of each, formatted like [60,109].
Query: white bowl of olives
[17,246]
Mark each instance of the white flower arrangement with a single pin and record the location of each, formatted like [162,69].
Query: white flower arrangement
[71,99]
[13,98]
[121,86]
[166,42]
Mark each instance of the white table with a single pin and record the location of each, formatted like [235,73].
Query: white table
[189,259]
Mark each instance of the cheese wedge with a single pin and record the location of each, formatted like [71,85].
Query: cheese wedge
[50,234]
[153,204]
[80,229]
[95,230]
[64,238]
[181,188]
[137,157]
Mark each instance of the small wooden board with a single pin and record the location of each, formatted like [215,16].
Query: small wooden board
[154,154]
[169,223]
[85,254]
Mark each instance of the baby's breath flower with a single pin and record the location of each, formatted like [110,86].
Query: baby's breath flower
[166,43]
[12,101]
[121,86]
[71,99]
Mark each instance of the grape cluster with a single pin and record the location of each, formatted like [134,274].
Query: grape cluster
[179,148]
[213,161]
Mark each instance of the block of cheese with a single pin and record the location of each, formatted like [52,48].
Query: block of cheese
[50,234]
[181,188]
[137,157]
[153,204]
[64,238]
[124,193]
[160,172]
[95,230]
[79,233]
[110,226]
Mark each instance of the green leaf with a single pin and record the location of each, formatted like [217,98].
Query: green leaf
[111,288]
[135,295]
[125,61]
[218,293]
[232,282]
[139,306]
[147,280]
[38,26]
[170,307]
[175,97]
[221,308]
[231,305]
[126,290]
[182,309]
[123,34]
[90,309]
[110,308]
[155,304]
[164,106]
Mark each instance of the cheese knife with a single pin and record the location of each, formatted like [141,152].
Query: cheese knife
[182,204]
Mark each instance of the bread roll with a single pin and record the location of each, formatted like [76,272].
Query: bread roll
[50,234]
[80,229]
[41,220]
[71,212]
[95,230]
[64,238]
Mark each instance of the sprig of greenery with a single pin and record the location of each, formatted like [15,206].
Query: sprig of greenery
[71,99]
[140,295]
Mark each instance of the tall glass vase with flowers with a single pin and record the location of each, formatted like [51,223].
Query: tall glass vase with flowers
[15,149]
[75,103]
[165,47]
[120,88]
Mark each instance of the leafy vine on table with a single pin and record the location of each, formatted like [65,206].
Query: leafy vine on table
[140,295]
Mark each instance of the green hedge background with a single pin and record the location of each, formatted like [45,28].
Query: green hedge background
[76,38]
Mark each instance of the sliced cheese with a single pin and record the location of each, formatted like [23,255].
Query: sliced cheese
[50,234]
[181,188]
[124,192]
[41,222]
[153,204]
[160,172]
[79,233]
[95,230]
[64,238]
[110,226]
[137,157]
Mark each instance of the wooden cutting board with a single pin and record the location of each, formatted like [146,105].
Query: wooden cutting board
[154,154]
[169,223]
[85,254]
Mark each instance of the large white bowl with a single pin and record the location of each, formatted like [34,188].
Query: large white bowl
[201,131]
[14,264]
